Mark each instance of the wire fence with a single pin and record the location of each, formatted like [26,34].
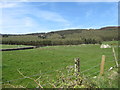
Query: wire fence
[38,74]
[90,68]
[95,60]
[82,72]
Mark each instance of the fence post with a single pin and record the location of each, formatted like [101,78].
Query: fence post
[77,71]
[77,65]
[115,56]
[102,65]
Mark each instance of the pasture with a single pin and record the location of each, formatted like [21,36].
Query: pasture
[46,60]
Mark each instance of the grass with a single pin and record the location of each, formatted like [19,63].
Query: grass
[48,59]
[110,42]
[108,80]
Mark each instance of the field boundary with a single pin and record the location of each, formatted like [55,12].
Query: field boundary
[22,48]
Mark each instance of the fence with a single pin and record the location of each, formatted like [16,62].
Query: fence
[12,49]
[77,70]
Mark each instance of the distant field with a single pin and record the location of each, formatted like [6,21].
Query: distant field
[11,46]
[48,59]
[110,42]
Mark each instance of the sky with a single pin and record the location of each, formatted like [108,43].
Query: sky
[37,17]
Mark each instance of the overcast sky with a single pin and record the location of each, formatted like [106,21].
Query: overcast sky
[32,17]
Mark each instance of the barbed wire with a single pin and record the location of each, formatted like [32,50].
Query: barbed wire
[99,71]
[42,74]
[95,60]
[54,71]
[113,61]
[30,76]
[87,61]
[93,73]
[90,68]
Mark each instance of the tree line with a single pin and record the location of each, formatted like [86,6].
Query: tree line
[65,37]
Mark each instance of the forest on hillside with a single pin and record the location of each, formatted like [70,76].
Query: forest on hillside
[63,37]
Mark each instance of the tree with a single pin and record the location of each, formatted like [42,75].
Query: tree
[54,36]
[42,36]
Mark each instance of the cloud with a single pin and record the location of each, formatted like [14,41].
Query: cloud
[8,4]
[26,18]
[28,22]
[52,16]
[25,9]
[24,25]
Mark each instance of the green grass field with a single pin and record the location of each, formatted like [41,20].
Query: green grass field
[48,59]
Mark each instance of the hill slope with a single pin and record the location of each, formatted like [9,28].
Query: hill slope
[64,37]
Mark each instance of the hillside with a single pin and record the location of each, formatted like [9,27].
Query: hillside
[64,37]
[71,31]
[68,31]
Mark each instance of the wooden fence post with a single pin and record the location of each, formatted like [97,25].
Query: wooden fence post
[77,71]
[115,56]
[77,65]
[102,65]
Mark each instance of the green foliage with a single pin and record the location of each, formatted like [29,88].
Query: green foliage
[54,36]
[4,35]
[63,80]
[65,37]
[71,80]
[108,80]
[43,36]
